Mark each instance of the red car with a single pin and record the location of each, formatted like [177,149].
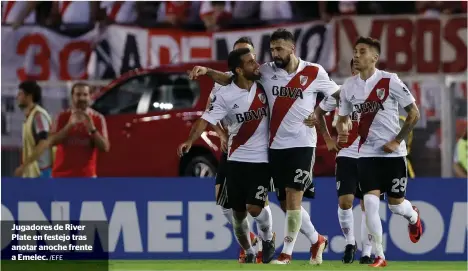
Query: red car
[149,112]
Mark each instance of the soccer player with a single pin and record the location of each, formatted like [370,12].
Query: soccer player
[374,95]
[36,128]
[291,86]
[347,180]
[220,187]
[244,104]
[78,133]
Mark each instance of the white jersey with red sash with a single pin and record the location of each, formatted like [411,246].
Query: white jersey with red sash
[376,101]
[247,115]
[292,98]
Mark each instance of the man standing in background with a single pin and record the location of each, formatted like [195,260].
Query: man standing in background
[78,133]
[36,128]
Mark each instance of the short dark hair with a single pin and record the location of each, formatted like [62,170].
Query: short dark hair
[235,58]
[79,84]
[244,40]
[33,89]
[374,43]
[282,33]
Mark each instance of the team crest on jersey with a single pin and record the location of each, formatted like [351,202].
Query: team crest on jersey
[381,93]
[303,79]
[262,97]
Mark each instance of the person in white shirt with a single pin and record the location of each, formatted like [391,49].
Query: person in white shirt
[291,86]
[220,186]
[374,95]
[347,179]
[244,104]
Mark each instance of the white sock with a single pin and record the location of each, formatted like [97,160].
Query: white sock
[366,243]
[307,228]
[405,209]
[228,214]
[346,219]
[291,230]
[242,229]
[251,250]
[263,225]
[371,203]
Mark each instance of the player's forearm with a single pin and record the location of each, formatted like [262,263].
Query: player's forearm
[37,152]
[219,77]
[410,122]
[101,142]
[219,130]
[320,114]
[197,130]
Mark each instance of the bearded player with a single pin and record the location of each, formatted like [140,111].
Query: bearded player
[291,86]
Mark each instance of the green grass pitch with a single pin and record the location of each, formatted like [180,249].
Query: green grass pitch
[295,265]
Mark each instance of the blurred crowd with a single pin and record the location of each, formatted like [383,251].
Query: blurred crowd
[205,15]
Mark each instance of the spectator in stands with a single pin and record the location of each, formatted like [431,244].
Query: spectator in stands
[175,13]
[460,159]
[122,12]
[36,128]
[216,14]
[272,11]
[76,12]
[18,12]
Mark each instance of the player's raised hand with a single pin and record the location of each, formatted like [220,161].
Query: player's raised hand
[197,71]
[184,148]
[391,146]
[311,121]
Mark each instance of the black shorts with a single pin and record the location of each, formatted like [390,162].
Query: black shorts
[292,168]
[247,183]
[387,174]
[222,197]
[347,179]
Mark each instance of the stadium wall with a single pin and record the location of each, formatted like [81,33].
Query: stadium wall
[178,219]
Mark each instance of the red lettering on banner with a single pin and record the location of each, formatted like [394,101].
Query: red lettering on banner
[174,47]
[399,35]
[41,58]
[64,56]
[451,36]
[432,27]
[407,47]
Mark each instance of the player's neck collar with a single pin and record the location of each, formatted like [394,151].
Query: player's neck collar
[370,77]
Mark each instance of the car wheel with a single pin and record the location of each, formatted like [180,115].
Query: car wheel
[200,166]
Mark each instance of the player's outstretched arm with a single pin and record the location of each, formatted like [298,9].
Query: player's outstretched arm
[217,76]
[197,129]
[410,122]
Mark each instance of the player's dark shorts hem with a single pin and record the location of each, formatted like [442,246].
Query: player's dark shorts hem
[387,174]
[247,183]
[292,168]
[222,169]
